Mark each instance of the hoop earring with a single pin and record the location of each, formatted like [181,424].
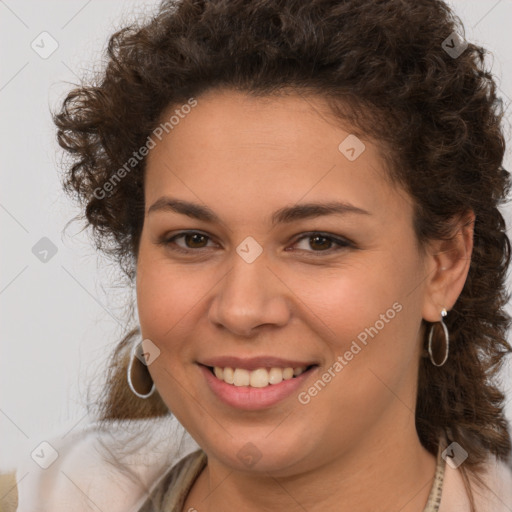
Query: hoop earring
[446,337]
[129,371]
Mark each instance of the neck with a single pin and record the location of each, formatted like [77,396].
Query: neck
[393,471]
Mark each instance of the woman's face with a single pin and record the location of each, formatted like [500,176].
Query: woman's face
[262,283]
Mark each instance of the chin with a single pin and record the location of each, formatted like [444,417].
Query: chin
[260,455]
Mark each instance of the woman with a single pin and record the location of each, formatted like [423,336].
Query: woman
[306,196]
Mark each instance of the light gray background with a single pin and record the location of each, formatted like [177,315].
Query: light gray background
[60,319]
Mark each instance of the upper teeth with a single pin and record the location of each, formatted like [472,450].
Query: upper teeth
[257,378]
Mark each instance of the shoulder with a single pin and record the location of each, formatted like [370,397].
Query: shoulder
[103,468]
[172,490]
[8,492]
[497,475]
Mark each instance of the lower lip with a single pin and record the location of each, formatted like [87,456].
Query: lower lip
[249,398]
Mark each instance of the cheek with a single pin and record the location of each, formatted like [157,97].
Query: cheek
[166,298]
[376,323]
[344,301]
[366,314]
[371,348]
[165,295]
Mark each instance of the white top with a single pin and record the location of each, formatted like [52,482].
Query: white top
[82,477]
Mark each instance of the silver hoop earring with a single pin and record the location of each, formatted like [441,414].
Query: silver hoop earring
[446,337]
[136,357]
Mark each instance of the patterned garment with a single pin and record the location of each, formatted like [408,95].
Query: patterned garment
[172,491]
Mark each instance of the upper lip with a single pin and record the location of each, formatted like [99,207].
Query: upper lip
[252,363]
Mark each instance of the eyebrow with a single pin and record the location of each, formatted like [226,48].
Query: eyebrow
[282,216]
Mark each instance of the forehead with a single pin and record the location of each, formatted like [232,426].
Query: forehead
[254,153]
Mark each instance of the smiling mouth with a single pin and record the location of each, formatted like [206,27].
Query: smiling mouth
[259,378]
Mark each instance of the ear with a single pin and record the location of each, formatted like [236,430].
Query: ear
[447,264]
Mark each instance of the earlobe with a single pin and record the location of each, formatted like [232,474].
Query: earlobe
[449,260]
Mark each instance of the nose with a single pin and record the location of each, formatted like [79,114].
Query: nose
[249,296]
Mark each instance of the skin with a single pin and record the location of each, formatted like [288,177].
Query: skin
[355,442]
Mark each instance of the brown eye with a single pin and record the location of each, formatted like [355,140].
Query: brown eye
[193,240]
[320,242]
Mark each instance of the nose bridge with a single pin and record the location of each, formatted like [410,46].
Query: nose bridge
[250,294]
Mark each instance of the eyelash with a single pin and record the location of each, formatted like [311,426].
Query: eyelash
[341,242]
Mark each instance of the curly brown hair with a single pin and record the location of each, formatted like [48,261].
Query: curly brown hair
[382,66]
